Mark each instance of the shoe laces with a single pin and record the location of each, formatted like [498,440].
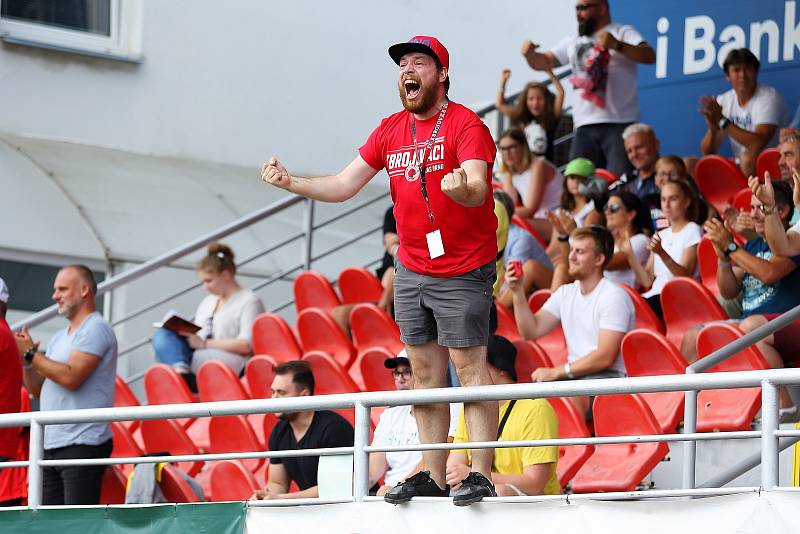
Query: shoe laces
[423,477]
[476,479]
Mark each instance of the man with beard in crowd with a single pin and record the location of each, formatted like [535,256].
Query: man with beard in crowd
[439,157]
[300,430]
[604,57]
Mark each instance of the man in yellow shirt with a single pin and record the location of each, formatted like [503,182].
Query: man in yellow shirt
[519,470]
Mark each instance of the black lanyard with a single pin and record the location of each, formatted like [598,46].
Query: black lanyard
[415,169]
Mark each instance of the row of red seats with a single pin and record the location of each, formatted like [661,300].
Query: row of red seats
[720,180]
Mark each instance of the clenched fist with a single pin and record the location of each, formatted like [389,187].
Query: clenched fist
[528,46]
[607,40]
[454,185]
[276,174]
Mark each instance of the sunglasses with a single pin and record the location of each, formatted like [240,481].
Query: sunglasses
[584,7]
[612,208]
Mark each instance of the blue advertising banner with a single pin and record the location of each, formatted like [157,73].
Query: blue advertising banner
[691,39]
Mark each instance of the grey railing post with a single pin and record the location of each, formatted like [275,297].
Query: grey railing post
[689,427]
[361,457]
[308,230]
[769,441]
[34,469]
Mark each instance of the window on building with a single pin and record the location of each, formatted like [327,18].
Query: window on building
[109,28]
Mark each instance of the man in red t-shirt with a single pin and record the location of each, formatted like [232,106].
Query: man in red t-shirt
[10,385]
[439,156]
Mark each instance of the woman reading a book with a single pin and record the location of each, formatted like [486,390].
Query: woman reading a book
[224,318]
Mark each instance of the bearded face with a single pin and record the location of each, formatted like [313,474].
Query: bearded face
[418,83]
[588,26]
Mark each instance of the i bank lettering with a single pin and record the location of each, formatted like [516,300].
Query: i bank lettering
[701,49]
[401,160]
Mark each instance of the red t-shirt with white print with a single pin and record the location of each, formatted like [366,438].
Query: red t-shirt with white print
[468,234]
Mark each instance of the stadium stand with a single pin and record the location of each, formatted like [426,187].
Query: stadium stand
[645,317]
[273,337]
[719,179]
[231,481]
[259,374]
[768,161]
[373,327]
[678,317]
[357,285]
[311,289]
[570,425]
[319,332]
[553,343]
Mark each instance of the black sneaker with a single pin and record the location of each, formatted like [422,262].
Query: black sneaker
[473,488]
[419,485]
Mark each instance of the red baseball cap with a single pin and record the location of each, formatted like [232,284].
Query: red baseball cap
[421,43]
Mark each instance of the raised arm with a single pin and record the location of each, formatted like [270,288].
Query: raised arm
[640,52]
[531,326]
[336,188]
[500,101]
[558,105]
[781,242]
[538,60]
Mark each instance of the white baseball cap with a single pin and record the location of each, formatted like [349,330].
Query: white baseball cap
[3,291]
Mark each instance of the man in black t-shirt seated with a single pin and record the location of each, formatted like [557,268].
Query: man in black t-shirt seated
[300,430]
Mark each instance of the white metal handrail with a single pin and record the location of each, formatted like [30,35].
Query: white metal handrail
[768,380]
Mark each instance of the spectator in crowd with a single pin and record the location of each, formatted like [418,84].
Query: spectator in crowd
[770,284]
[519,470]
[604,58]
[536,111]
[76,372]
[523,247]
[226,316]
[533,183]
[575,203]
[445,264]
[385,273]
[672,167]
[750,113]
[789,148]
[300,430]
[630,224]
[397,426]
[10,385]
[641,146]
[673,250]
[594,312]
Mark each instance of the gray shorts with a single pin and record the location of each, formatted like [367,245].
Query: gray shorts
[452,311]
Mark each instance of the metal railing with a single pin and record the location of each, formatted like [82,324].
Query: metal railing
[767,380]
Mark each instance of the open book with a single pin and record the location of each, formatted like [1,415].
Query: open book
[177,323]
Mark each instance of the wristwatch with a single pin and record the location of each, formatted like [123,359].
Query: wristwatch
[723,123]
[568,370]
[768,211]
[29,354]
[731,248]
[563,238]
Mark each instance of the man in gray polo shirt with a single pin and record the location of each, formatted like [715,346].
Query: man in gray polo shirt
[77,371]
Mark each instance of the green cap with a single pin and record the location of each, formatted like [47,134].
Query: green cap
[579,167]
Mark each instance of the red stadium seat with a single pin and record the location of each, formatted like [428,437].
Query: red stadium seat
[727,409]
[357,285]
[570,425]
[645,317]
[319,332]
[620,466]
[231,481]
[606,175]
[525,225]
[259,374]
[112,489]
[741,200]
[330,378]
[648,353]
[125,445]
[719,179]
[163,385]
[687,304]
[372,327]
[529,358]
[124,397]
[234,433]
[272,336]
[553,343]
[374,375]
[175,488]
[312,290]
[768,160]
[707,261]
[506,324]
[166,435]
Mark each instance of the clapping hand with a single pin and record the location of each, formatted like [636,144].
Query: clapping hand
[624,243]
[655,246]
[720,235]
[712,111]
[563,222]
[763,192]
[273,172]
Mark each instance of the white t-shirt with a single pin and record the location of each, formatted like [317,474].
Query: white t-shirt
[234,320]
[621,95]
[640,252]
[551,196]
[537,138]
[674,245]
[582,317]
[580,217]
[765,107]
[397,426]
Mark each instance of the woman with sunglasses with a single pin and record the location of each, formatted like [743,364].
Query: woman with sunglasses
[533,182]
[629,222]
[673,250]
[226,316]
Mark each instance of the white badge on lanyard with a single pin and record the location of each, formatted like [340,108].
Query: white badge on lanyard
[435,244]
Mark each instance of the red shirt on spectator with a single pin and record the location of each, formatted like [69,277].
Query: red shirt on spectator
[468,234]
[10,385]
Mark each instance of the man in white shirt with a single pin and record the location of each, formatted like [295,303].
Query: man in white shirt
[594,312]
[750,113]
[398,426]
[604,58]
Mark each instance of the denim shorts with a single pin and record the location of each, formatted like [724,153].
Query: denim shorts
[452,311]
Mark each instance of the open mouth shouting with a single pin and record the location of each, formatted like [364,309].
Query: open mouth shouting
[412,89]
